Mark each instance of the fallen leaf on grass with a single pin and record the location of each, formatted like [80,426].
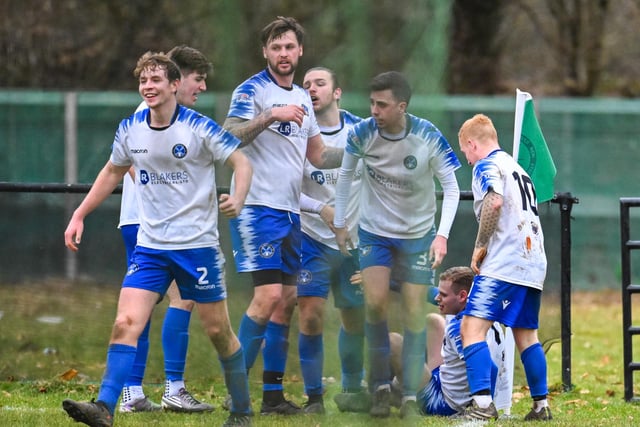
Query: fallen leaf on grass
[69,374]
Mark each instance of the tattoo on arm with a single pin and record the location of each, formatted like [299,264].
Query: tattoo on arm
[489,216]
[332,157]
[247,130]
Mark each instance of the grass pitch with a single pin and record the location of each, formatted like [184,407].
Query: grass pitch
[51,329]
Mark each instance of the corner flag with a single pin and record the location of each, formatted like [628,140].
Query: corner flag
[534,157]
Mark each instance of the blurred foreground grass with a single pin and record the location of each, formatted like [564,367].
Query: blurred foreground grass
[48,329]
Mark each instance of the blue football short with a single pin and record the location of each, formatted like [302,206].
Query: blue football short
[264,238]
[512,305]
[130,237]
[408,258]
[199,272]
[431,400]
[324,268]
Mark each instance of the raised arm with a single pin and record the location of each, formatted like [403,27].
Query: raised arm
[248,130]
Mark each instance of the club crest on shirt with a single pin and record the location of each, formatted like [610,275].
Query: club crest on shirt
[410,162]
[179,151]
[266,250]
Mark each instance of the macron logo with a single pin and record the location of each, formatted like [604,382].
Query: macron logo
[505,304]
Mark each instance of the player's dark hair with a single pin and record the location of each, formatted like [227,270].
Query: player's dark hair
[190,60]
[153,60]
[394,81]
[278,27]
[460,277]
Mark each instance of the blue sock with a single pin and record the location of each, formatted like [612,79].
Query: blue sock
[235,377]
[120,358]
[351,351]
[140,362]
[311,352]
[535,368]
[175,340]
[274,355]
[250,335]
[379,352]
[478,359]
[413,356]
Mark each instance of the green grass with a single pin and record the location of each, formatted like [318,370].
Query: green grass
[31,387]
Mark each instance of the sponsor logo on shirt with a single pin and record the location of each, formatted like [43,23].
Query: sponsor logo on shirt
[139,151]
[318,176]
[179,177]
[388,182]
[331,177]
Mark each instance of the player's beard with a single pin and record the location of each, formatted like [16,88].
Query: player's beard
[273,66]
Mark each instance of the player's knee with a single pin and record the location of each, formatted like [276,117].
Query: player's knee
[124,329]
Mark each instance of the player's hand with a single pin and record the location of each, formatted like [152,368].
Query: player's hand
[73,234]
[343,240]
[327,216]
[289,113]
[437,251]
[477,258]
[229,205]
[356,278]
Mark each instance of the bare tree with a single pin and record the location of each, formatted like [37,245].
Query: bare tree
[573,30]
[475,49]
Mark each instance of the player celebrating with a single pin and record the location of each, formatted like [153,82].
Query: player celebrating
[401,155]
[194,67]
[173,150]
[324,267]
[274,119]
[510,263]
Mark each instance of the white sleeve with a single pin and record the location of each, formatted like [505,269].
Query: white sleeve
[309,204]
[450,201]
[343,187]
